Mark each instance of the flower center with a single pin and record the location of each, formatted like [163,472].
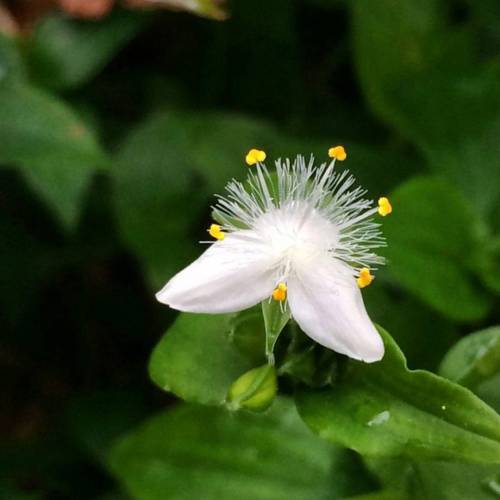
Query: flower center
[296,232]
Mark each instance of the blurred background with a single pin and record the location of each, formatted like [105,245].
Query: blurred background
[118,122]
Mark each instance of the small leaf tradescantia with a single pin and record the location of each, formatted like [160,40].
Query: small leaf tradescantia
[303,236]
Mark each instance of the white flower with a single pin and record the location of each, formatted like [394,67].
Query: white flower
[303,235]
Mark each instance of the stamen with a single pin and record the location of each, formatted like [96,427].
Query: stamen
[279,292]
[299,191]
[216,232]
[384,206]
[255,156]
[338,153]
[364,278]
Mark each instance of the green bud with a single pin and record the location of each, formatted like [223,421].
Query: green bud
[255,390]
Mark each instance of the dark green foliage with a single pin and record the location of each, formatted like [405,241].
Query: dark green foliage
[114,136]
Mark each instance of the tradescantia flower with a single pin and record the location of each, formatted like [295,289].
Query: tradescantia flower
[303,236]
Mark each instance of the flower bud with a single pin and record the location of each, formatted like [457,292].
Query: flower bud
[255,390]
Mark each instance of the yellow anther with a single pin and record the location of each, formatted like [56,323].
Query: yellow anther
[338,152]
[216,232]
[364,278]
[279,292]
[384,206]
[255,156]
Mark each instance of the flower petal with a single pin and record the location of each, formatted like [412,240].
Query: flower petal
[327,304]
[233,274]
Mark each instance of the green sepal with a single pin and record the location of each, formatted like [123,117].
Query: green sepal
[276,316]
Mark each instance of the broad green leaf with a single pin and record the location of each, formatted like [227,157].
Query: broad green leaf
[157,196]
[52,147]
[248,334]
[489,391]
[432,480]
[467,154]
[384,409]
[488,263]
[412,324]
[380,495]
[451,481]
[475,362]
[197,359]
[392,41]
[220,142]
[207,453]
[65,53]
[11,63]
[427,80]
[473,359]
[433,236]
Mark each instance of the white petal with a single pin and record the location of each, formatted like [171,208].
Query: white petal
[232,275]
[326,302]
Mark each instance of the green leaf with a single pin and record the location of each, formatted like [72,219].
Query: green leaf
[248,334]
[380,495]
[456,481]
[275,319]
[489,391]
[11,63]
[197,359]
[65,53]
[157,197]
[488,264]
[473,359]
[467,155]
[412,324]
[220,142]
[51,146]
[427,234]
[431,480]
[427,80]
[207,453]
[392,41]
[475,363]
[384,409]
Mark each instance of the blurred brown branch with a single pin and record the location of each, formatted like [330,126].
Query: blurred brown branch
[8,25]
[23,14]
